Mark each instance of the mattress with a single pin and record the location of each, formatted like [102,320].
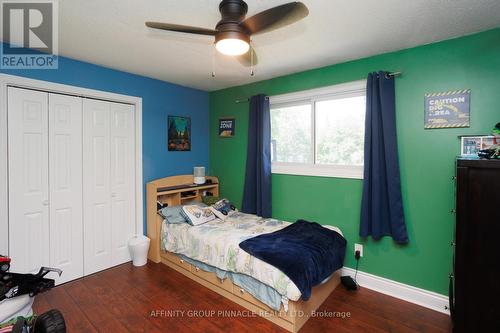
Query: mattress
[216,243]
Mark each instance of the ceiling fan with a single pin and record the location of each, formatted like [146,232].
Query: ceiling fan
[232,33]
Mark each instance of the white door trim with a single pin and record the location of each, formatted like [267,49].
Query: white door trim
[50,87]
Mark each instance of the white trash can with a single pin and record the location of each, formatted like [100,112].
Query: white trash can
[138,247]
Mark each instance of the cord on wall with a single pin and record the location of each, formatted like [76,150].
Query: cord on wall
[357,256]
[347,281]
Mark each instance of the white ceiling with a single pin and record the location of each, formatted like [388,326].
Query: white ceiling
[112,33]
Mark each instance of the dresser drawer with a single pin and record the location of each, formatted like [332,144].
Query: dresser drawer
[178,261]
[225,284]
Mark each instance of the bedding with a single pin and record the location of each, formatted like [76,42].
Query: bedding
[216,243]
[173,214]
[305,251]
[223,209]
[196,215]
[257,289]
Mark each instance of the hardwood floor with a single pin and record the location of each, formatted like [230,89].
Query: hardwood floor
[155,298]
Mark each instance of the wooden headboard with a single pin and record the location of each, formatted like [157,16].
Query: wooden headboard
[173,191]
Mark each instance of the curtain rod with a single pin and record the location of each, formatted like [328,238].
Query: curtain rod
[395,74]
[244,100]
[238,101]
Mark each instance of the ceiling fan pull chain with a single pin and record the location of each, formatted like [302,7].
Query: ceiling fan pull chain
[213,61]
[252,72]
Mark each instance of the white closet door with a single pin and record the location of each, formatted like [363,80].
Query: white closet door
[96,186]
[28,179]
[122,179]
[65,170]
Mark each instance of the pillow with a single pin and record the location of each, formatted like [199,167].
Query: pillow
[196,215]
[172,214]
[209,200]
[223,209]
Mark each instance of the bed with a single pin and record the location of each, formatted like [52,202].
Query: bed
[209,254]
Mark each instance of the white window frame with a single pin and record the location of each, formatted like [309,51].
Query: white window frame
[343,90]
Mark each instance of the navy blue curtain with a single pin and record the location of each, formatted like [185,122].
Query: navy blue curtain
[382,204]
[257,192]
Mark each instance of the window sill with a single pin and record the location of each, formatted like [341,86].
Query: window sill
[333,171]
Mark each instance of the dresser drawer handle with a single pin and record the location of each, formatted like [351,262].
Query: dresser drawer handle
[182,261]
[242,291]
[197,269]
[221,281]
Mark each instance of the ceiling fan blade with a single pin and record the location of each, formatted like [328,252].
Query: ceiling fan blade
[181,28]
[248,58]
[275,18]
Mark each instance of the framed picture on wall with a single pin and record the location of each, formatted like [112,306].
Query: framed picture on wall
[179,133]
[227,127]
[450,109]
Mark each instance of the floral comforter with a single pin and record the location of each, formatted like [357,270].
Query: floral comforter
[216,243]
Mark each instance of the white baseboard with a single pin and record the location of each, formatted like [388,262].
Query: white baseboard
[402,291]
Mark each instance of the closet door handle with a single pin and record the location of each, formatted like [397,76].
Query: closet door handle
[45,202]
[113,195]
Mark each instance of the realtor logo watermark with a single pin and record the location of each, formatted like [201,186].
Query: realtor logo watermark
[29,34]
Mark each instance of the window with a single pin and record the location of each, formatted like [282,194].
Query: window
[319,132]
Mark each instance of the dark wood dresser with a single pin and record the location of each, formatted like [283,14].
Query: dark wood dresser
[476,278]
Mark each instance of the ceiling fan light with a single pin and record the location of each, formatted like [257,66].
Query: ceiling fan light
[232,46]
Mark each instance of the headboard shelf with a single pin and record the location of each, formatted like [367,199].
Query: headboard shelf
[189,197]
[173,191]
[181,189]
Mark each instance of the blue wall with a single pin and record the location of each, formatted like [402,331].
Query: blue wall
[159,99]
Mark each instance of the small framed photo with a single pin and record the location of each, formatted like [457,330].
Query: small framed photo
[227,127]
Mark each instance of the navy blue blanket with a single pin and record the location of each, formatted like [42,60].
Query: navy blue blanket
[305,251]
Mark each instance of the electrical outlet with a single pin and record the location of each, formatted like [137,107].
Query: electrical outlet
[358,247]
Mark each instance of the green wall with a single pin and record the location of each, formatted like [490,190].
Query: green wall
[426,156]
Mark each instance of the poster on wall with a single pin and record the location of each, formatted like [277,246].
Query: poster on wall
[227,127]
[179,133]
[449,109]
